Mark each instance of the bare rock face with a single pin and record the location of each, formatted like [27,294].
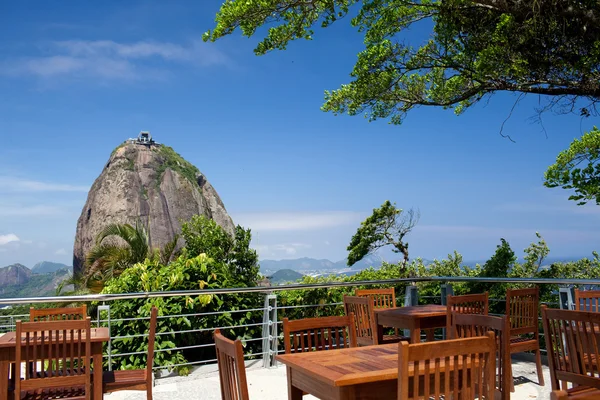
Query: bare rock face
[152,184]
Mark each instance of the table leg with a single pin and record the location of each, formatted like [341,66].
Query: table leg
[415,335]
[379,334]
[430,335]
[4,365]
[97,376]
[293,392]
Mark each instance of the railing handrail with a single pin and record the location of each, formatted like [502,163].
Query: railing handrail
[270,289]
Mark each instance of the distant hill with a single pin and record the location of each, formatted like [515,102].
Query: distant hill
[47,267]
[15,274]
[297,264]
[18,281]
[285,276]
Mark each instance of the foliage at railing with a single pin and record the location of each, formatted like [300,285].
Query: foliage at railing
[211,259]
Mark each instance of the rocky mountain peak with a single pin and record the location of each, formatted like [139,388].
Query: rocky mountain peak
[150,183]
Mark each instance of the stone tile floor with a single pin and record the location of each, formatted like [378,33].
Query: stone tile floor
[271,384]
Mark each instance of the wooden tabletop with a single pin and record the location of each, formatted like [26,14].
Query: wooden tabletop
[345,367]
[98,335]
[429,310]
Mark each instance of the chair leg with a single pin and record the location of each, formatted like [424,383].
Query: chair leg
[538,362]
[149,393]
[510,377]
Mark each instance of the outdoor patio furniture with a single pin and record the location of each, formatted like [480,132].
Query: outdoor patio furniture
[57,314]
[573,348]
[587,300]
[471,325]
[459,368]
[58,356]
[522,312]
[8,345]
[232,370]
[365,322]
[382,298]
[413,318]
[466,304]
[316,334]
[586,394]
[134,379]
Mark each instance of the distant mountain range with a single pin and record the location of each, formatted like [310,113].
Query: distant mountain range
[17,280]
[312,265]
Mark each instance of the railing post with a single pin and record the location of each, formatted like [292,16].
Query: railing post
[269,330]
[411,298]
[566,296]
[446,290]
[106,307]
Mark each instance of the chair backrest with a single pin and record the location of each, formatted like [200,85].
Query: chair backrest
[232,370]
[522,310]
[382,298]
[151,340]
[466,304]
[364,319]
[573,346]
[443,364]
[315,334]
[587,300]
[56,354]
[57,314]
[472,325]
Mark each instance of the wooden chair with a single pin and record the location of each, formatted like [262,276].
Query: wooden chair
[472,325]
[522,312]
[57,354]
[232,370]
[448,369]
[382,298]
[366,322]
[134,379]
[466,304]
[573,347]
[587,300]
[589,394]
[316,334]
[57,314]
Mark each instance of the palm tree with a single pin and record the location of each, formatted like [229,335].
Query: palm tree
[118,246]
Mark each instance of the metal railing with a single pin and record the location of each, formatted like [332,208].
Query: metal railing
[268,307]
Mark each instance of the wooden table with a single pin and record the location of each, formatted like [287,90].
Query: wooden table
[7,356]
[365,373]
[414,318]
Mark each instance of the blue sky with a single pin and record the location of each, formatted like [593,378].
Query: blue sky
[78,78]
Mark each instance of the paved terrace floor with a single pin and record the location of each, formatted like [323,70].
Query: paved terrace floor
[271,384]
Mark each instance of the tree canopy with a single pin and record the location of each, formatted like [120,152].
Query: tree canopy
[475,48]
[578,168]
[387,226]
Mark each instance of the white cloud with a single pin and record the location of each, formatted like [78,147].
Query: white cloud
[14,184]
[8,238]
[111,60]
[60,252]
[297,221]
